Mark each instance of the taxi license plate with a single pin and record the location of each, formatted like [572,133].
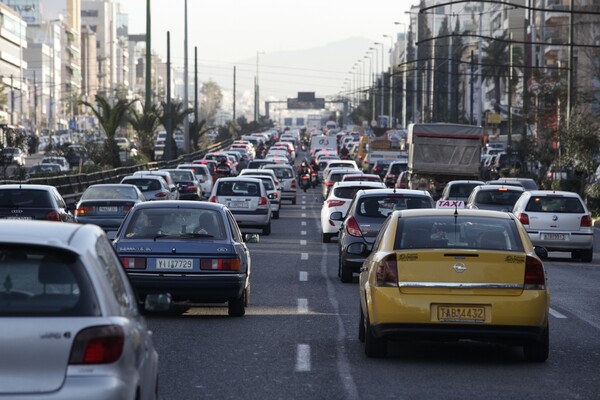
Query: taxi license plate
[238,204]
[106,209]
[554,236]
[448,313]
[174,263]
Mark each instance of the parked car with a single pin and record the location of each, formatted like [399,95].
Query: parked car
[366,214]
[339,199]
[186,182]
[247,200]
[557,221]
[153,187]
[62,161]
[193,251]
[107,204]
[31,201]
[13,155]
[77,155]
[69,323]
[446,274]
[494,197]
[44,169]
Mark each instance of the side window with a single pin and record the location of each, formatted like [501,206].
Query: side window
[59,200]
[116,276]
[235,230]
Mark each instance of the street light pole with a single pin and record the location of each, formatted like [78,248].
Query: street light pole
[382,73]
[391,101]
[403,75]
[186,121]
[257,91]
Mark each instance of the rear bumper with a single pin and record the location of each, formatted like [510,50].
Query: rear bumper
[577,241]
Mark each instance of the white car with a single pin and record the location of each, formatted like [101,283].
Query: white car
[272,193]
[262,171]
[203,175]
[62,161]
[167,177]
[287,179]
[339,199]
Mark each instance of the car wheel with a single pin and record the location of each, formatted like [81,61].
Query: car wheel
[340,265]
[275,214]
[586,255]
[294,201]
[267,229]
[237,307]
[374,347]
[538,350]
[325,237]
[346,273]
[361,326]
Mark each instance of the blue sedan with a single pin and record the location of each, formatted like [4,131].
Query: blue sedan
[192,250]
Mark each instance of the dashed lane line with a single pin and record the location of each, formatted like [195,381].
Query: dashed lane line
[303,276]
[303,358]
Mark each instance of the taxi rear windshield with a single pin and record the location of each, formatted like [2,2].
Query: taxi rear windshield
[382,206]
[553,204]
[461,232]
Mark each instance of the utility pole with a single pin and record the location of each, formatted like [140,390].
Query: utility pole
[169,111]
[234,83]
[148,58]
[12,100]
[479,57]
[196,86]
[186,121]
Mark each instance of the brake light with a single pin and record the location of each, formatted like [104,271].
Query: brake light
[586,221]
[213,199]
[503,189]
[263,201]
[133,262]
[191,188]
[335,203]
[53,216]
[391,176]
[524,218]
[329,183]
[294,186]
[160,194]
[98,345]
[127,207]
[84,210]
[387,271]
[535,278]
[352,227]
[222,264]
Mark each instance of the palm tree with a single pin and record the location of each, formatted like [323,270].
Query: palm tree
[197,130]
[175,115]
[110,119]
[145,124]
[495,64]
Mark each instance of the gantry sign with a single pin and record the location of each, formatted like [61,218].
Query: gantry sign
[305,101]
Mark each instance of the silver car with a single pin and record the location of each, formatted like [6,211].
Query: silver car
[69,321]
[557,221]
[153,187]
[287,178]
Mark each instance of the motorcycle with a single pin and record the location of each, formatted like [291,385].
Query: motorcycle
[223,171]
[305,181]
[314,179]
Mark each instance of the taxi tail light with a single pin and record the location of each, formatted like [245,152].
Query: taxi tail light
[134,262]
[335,203]
[53,216]
[220,264]
[98,345]
[387,271]
[524,218]
[535,277]
[352,228]
[263,201]
[586,221]
[84,210]
[213,199]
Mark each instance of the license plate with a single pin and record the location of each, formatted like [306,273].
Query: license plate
[106,209]
[238,204]
[174,263]
[554,236]
[461,313]
[18,218]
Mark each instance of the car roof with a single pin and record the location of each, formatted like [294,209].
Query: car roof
[553,192]
[427,212]
[459,182]
[496,187]
[180,204]
[388,191]
[27,186]
[367,184]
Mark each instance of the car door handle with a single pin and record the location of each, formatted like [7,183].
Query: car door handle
[364,269]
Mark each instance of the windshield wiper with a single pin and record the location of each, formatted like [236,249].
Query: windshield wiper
[196,235]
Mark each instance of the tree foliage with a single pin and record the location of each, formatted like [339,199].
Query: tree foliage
[145,123]
[579,143]
[211,98]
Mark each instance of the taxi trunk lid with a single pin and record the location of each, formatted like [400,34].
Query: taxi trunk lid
[461,272]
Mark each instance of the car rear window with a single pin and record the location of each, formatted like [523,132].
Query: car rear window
[462,189]
[45,282]
[555,204]
[25,198]
[397,168]
[145,185]
[448,232]
[238,188]
[282,173]
[498,196]
[109,192]
[181,223]
[382,206]
[336,177]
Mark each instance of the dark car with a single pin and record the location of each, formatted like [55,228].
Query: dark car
[192,250]
[393,171]
[365,216]
[525,183]
[76,155]
[186,182]
[380,167]
[29,201]
[107,204]
[494,197]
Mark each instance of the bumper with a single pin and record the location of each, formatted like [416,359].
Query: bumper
[288,194]
[189,196]
[258,218]
[577,241]
[199,288]
[89,388]
[108,224]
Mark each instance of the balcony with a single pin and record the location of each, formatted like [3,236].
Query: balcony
[558,16]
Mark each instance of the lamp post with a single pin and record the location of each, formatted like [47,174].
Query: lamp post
[403,75]
[376,54]
[381,81]
[257,91]
[391,105]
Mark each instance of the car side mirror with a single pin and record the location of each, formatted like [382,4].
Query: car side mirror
[336,216]
[174,188]
[158,302]
[358,249]
[541,252]
[251,238]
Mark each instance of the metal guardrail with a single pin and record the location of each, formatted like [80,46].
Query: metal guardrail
[72,186]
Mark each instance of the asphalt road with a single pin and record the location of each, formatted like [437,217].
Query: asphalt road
[299,340]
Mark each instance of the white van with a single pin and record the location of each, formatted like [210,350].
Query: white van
[323,142]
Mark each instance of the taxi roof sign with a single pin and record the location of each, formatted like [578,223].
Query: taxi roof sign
[450,204]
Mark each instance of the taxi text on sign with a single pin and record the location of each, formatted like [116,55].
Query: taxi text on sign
[450,204]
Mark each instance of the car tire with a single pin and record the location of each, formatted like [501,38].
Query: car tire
[374,347]
[537,351]
[346,273]
[294,201]
[237,307]
[267,230]
[275,214]
[586,255]
[361,327]
[325,237]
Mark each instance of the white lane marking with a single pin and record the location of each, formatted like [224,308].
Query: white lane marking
[303,197]
[303,202]
[302,306]
[303,223]
[303,276]
[556,314]
[303,233]
[303,358]
[303,215]
[304,207]
[304,256]
[303,243]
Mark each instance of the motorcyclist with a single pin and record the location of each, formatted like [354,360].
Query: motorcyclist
[223,167]
[304,170]
[344,152]
[242,164]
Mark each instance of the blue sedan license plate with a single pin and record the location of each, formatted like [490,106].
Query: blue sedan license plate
[447,313]
[174,263]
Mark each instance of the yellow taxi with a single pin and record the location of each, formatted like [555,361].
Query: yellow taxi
[450,274]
